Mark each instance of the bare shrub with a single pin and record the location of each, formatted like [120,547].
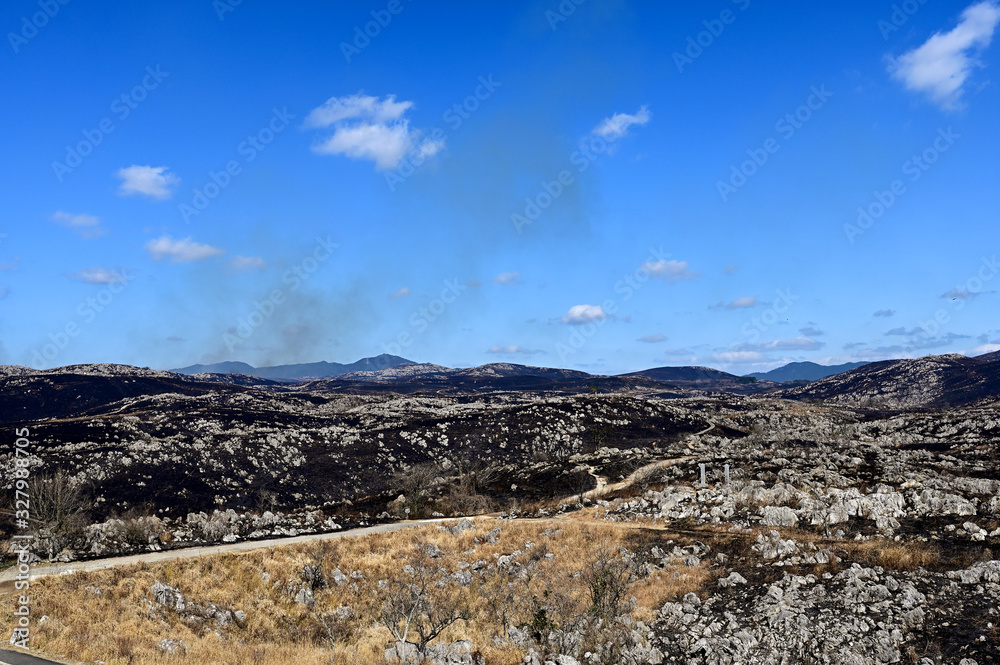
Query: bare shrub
[58,512]
[415,485]
[419,603]
[608,578]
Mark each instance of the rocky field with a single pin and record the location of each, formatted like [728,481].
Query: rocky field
[850,520]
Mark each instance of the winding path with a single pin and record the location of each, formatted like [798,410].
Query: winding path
[604,487]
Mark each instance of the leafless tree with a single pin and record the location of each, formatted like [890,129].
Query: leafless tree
[415,485]
[58,510]
[419,603]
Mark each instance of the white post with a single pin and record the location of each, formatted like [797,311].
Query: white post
[702,465]
[727,474]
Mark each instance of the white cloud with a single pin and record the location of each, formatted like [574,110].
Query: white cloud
[739,357]
[985,348]
[886,313]
[87,226]
[365,127]
[941,65]
[731,269]
[960,294]
[248,263]
[405,291]
[617,125]
[580,314]
[508,278]
[653,339]
[180,251]
[811,331]
[794,344]
[153,181]
[740,303]
[336,109]
[903,332]
[512,349]
[672,271]
[101,276]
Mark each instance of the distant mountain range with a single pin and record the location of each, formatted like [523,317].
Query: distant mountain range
[298,372]
[377,368]
[805,371]
[944,381]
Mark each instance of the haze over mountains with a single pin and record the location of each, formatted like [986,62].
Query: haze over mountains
[927,382]
[804,371]
[297,371]
[373,368]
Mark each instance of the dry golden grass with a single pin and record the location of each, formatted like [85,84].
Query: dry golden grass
[891,555]
[120,625]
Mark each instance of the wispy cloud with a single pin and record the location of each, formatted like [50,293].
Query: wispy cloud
[156,182]
[368,128]
[616,126]
[940,66]
[962,294]
[672,271]
[793,344]
[248,263]
[653,339]
[740,303]
[581,314]
[885,313]
[180,251]
[512,349]
[405,291]
[901,331]
[101,276]
[87,226]
[508,278]
[734,357]
[984,348]
[811,331]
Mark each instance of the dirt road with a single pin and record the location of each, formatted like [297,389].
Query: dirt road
[42,570]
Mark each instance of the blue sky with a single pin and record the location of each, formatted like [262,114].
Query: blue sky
[605,186]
